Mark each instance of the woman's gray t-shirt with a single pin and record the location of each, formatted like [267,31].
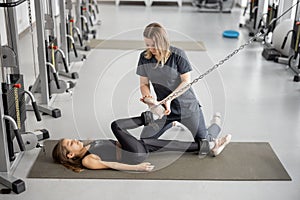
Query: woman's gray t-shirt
[167,78]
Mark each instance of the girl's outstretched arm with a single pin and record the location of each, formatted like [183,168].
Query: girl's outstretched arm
[94,162]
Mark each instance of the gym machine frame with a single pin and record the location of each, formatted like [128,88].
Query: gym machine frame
[72,28]
[274,53]
[256,10]
[48,84]
[67,41]
[12,106]
[213,6]
[84,18]
[294,60]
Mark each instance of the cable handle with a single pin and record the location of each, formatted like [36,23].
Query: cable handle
[286,37]
[75,50]
[73,45]
[16,131]
[63,58]
[76,29]
[55,75]
[34,105]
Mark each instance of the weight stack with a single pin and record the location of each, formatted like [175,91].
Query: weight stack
[14,105]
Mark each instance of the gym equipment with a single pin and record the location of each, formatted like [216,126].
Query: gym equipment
[67,43]
[214,6]
[231,34]
[256,10]
[72,29]
[286,45]
[279,49]
[276,48]
[66,37]
[14,140]
[86,17]
[294,61]
[13,136]
[48,83]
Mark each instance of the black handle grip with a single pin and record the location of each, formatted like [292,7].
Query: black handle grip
[284,42]
[19,140]
[75,51]
[36,111]
[91,20]
[94,14]
[56,80]
[97,8]
[80,40]
[87,27]
[259,24]
[65,64]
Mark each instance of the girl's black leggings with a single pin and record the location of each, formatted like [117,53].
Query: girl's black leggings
[136,151]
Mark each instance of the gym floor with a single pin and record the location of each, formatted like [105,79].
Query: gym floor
[258,100]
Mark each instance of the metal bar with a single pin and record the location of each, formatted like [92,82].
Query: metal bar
[63,31]
[12,33]
[40,27]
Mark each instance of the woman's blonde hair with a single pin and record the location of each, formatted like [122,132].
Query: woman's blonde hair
[59,155]
[158,34]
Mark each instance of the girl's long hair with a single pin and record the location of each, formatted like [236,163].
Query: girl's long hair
[158,34]
[59,155]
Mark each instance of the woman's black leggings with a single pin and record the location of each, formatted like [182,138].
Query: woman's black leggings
[136,151]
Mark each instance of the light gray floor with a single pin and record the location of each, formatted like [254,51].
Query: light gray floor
[258,101]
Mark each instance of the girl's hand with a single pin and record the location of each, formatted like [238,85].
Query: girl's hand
[145,166]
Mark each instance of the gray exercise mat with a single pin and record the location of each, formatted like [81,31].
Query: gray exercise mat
[139,44]
[240,161]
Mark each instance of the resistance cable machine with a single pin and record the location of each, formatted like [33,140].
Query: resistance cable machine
[68,48]
[86,17]
[278,48]
[48,83]
[294,60]
[14,139]
[72,28]
[214,6]
[256,10]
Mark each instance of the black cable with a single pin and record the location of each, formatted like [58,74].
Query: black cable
[12,4]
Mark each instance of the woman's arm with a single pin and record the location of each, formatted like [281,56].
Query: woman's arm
[185,81]
[94,162]
[145,90]
[144,86]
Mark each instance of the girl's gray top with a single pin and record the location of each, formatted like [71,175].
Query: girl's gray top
[105,149]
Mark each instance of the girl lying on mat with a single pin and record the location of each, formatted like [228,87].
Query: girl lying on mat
[128,153]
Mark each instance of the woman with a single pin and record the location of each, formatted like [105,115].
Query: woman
[169,71]
[127,153]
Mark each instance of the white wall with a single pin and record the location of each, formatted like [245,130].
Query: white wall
[2,28]
[22,19]
[242,3]
[23,15]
